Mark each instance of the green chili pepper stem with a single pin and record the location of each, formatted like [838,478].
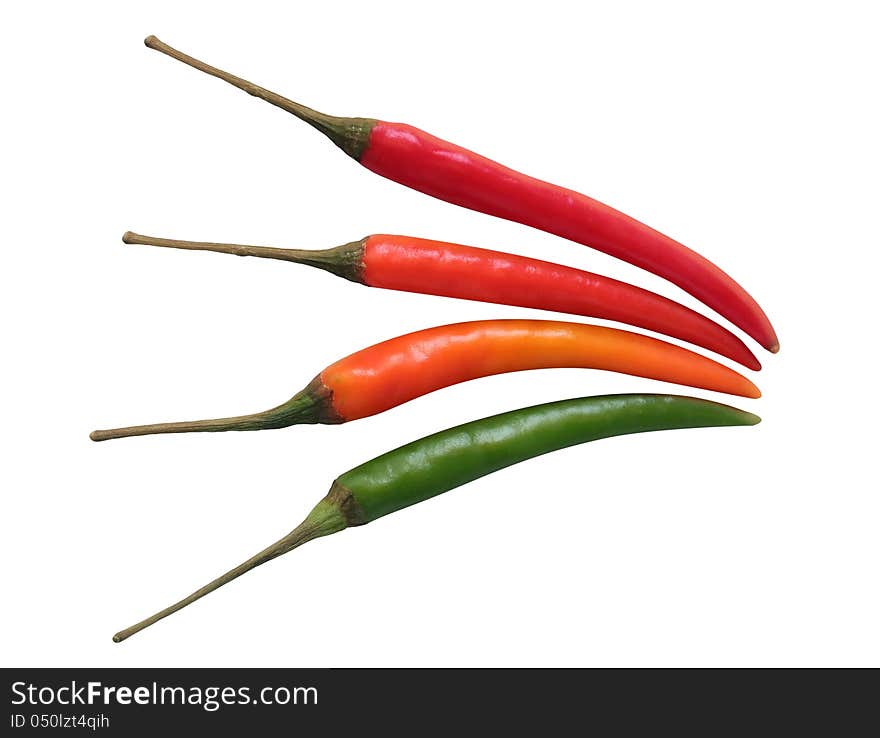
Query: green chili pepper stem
[453,457]
[344,261]
[352,135]
[309,406]
[324,519]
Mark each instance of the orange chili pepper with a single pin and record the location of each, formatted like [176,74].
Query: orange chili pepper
[390,373]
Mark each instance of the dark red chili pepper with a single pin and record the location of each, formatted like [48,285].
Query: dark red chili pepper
[428,164]
[452,270]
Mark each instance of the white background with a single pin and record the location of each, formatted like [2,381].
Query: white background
[748,133]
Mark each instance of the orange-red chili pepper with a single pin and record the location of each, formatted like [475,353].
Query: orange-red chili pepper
[452,270]
[399,370]
[439,168]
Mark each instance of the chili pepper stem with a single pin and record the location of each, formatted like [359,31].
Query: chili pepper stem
[326,518]
[349,134]
[254,421]
[307,406]
[344,261]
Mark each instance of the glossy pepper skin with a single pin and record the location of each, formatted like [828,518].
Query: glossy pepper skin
[453,457]
[401,369]
[454,174]
[452,270]
[449,172]
[409,264]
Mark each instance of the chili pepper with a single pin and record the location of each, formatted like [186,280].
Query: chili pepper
[428,164]
[390,373]
[446,460]
[452,270]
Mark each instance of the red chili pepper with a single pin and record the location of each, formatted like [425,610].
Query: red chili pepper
[428,164]
[452,270]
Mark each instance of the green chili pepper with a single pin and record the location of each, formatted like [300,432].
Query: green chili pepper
[440,462]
